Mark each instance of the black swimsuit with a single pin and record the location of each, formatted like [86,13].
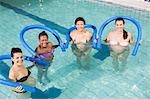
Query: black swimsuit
[24,78]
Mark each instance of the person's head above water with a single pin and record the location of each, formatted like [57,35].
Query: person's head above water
[43,39]
[17,56]
[79,22]
[119,23]
[120,26]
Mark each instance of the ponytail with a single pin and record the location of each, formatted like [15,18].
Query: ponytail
[125,34]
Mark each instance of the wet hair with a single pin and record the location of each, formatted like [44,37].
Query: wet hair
[15,50]
[43,33]
[125,34]
[79,19]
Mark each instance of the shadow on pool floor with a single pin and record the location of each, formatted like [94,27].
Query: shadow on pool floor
[49,93]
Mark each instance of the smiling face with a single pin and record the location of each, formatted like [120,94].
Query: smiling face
[43,41]
[17,59]
[119,25]
[80,25]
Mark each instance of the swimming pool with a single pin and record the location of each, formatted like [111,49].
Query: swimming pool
[68,80]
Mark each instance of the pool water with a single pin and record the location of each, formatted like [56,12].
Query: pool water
[97,80]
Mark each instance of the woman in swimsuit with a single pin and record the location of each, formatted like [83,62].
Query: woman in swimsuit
[119,40]
[18,73]
[81,46]
[46,51]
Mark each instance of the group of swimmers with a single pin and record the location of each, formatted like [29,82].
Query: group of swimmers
[19,73]
[118,39]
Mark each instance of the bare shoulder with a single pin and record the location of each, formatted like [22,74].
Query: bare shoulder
[129,34]
[37,49]
[11,73]
[11,70]
[88,31]
[111,33]
[50,43]
[73,33]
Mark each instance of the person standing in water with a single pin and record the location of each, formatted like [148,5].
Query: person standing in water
[119,40]
[81,46]
[45,50]
[19,73]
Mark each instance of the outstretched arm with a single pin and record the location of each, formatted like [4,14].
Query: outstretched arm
[33,63]
[55,46]
[106,41]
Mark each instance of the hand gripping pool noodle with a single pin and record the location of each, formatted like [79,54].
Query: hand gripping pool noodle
[74,28]
[15,84]
[39,61]
[134,52]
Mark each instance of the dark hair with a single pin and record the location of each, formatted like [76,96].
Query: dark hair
[125,34]
[43,33]
[79,19]
[15,50]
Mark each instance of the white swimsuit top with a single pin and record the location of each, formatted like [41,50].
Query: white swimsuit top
[123,43]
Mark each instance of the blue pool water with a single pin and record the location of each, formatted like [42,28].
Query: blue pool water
[68,80]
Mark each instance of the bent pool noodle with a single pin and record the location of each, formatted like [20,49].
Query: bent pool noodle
[40,61]
[15,84]
[74,28]
[134,52]
[2,57]
[28,58]
[38,27]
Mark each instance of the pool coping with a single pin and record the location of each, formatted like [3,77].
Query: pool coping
[136,4]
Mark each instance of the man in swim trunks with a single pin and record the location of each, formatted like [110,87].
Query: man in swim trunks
[81,46]
[119,40]
[18,73]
